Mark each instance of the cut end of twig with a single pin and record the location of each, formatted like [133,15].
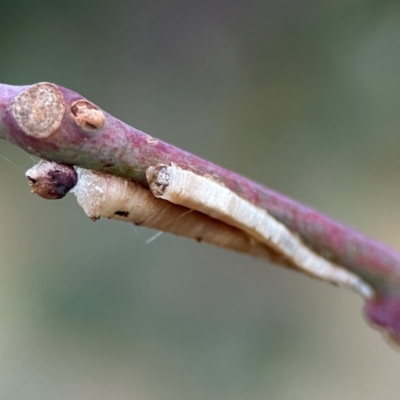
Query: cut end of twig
[87,115]
[158,179]
[39,110]
[51,180]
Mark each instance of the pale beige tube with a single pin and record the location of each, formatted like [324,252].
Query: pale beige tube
[103,195]
[209,197]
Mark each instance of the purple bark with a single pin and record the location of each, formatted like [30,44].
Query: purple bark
[119,149]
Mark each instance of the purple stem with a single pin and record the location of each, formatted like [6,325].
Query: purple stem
[119,149]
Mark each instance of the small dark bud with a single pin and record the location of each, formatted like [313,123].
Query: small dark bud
[51,180]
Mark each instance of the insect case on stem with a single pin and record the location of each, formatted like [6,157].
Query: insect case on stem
[60,125]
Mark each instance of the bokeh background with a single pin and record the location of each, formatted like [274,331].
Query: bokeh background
[301,95]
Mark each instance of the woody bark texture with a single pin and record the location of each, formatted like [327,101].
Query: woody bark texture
[57,124]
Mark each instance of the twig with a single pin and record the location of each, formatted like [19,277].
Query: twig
[58,124]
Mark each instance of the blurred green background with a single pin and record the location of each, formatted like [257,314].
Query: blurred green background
[302,96]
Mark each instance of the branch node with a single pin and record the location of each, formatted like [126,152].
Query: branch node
[87,115]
